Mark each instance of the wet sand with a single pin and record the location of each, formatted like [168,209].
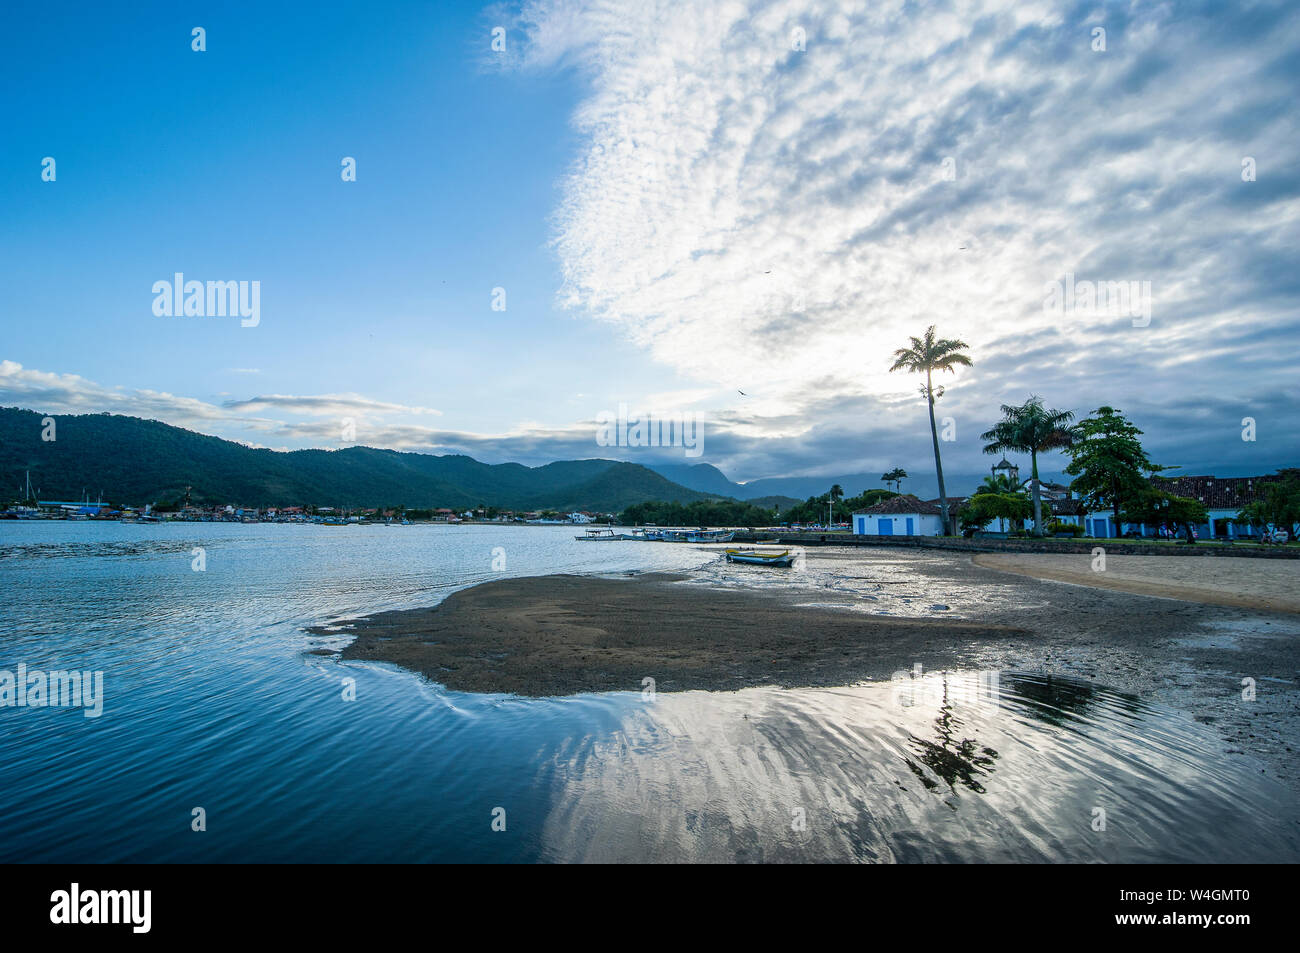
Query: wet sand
[561,635]
[1271,585]
[860,614]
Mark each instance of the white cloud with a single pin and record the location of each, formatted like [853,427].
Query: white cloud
[762,218]
[327,405]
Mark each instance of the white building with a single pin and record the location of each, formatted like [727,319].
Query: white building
[579,518]
[1223,498]
[899,516]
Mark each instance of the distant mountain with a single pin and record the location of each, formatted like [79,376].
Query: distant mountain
[707,478]
[130,460]
[803,487]
[773,490]
[703,477]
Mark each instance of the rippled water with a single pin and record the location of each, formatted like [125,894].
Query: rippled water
[213,700]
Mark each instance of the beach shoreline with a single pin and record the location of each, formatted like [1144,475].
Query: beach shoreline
[563,635]
[546,636]
[1218,582]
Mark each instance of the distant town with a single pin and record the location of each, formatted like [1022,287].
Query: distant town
[1254,508]
[325,515]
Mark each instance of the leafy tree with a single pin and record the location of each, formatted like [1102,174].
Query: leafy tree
[697,513]
[1107,461]
[984,507]
[1278,506]
[868,498]
[1033,429]
[1158,508]
[928,354]
[813,509]
[1001,483]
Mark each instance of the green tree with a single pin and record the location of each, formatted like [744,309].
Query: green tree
[1033,429]
[1156,507]
[1107,461]
[1001,483]
[1278,505]
[697,513]
[986,506]
[928,354]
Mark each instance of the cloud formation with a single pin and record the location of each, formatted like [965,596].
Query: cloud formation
[773,195]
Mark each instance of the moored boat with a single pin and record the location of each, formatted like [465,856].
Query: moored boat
[600,536]
[759,557]
[711,536]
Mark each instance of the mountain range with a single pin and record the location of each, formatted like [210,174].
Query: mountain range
[707,478]
[132,460]
[135,461]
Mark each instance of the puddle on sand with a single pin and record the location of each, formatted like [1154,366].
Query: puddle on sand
[946,767]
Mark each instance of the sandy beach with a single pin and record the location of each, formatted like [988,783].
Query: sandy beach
[560,635]
[1272,585]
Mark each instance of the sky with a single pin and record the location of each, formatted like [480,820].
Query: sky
[730,209]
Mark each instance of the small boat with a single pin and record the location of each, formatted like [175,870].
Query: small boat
[759,557]
[711,536]
[600,536]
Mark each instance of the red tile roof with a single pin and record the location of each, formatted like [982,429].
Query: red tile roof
[1217,493]
[907,503]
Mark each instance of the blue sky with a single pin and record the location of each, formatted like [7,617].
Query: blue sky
[681,200]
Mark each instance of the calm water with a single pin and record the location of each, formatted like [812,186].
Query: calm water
[213,700]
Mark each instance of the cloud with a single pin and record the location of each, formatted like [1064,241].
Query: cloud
[771,195]
[327,405]
[72,394]
[777,219]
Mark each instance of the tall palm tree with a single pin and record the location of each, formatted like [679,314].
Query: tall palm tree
[837,494]
[1033,429]
[929,355]
[895,476]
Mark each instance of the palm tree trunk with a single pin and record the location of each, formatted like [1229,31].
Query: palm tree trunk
[1038,500]
[938,465]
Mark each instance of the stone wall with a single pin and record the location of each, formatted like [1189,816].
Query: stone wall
[1053,545]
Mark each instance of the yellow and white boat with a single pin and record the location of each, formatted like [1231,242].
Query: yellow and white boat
[761,557]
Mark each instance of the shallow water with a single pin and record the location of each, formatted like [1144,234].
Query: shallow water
[213,700]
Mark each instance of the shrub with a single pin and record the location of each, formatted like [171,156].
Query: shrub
[1058,527]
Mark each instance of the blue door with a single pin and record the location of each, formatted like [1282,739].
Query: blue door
[909,526]
[886,527]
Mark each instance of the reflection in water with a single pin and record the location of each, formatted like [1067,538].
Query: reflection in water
[212,698]
[724,777]
[954,758]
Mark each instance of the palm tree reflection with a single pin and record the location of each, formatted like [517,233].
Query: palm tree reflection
[957,760]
